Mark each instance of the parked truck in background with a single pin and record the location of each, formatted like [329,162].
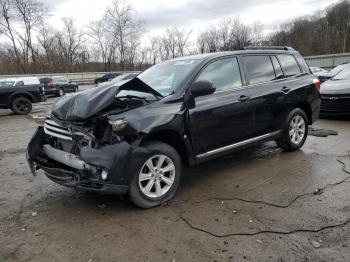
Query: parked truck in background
[19,93]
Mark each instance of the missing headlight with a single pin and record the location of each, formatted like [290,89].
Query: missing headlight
[118,124]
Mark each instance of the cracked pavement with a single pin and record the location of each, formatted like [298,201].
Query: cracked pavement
[256,205]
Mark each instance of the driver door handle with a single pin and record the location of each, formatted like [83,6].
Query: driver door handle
[243,98]
[285,89]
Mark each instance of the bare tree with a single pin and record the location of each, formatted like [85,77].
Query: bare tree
[105,40]
[70,42]
[6,28]
[30,14]
[123,28]
[228,34]
[257,33]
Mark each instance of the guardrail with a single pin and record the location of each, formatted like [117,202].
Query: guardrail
[328,61]
[324,61]
[80,78]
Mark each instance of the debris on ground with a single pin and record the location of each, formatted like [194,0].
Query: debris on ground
[319,191]
[102,206]
[321,132]
[34,214]
[315,244]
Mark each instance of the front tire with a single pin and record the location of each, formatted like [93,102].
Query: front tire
[21,106]
[294,132]
[157,178]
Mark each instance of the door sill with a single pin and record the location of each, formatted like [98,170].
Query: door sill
[239,144]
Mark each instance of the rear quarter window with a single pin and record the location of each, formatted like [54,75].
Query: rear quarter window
[304,66]
[259,68]
[289,65]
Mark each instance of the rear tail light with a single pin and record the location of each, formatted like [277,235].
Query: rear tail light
[51,84]
[317,83]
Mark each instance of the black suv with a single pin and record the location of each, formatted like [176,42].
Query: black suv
[135,136]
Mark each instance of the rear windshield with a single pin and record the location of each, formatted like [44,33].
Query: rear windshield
[45,80]
[6,83]
[339,68]
[343,75]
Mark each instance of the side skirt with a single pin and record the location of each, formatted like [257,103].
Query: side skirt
[236,146]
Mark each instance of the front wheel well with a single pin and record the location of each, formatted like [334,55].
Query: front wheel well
[171,138]
[307,109]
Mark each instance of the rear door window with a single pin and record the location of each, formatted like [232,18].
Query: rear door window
[289,65]
[259,68]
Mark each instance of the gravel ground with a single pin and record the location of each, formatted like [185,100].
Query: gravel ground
[256,205]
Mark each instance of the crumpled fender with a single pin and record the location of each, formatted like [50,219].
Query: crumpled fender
[35,144]
[121,160]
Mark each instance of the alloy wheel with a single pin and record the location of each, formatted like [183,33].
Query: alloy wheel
[297,129]
[157,176]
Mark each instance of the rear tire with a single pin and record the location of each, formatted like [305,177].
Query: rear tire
[294,132]
[157,179]
[21,106]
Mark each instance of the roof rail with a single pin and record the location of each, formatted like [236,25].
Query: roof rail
[287,48]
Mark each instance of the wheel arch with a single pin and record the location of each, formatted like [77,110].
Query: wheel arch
[171,138]
[305,106]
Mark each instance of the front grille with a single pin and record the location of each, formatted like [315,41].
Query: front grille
[55,129]
[335,103]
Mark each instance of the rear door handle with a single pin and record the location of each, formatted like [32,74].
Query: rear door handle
[243,98]
[285,89]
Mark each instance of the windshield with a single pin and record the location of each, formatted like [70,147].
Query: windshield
[343,75]
[6,83]
[337,69]
[167,77]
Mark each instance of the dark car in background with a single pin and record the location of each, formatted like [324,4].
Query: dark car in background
[335,94]
[121,77]
[106,78]
[135,136]
[19,93]
[58,85]
[326,76]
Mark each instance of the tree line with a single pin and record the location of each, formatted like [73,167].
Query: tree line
[116,41]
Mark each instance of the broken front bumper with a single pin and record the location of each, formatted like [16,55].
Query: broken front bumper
[120,161]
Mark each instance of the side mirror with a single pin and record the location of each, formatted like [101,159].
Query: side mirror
[202,88]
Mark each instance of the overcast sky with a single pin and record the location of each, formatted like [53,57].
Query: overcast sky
[194,14]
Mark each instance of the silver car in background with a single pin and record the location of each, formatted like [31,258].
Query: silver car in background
[335,94]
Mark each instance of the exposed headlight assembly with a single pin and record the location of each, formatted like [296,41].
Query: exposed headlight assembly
[118,124]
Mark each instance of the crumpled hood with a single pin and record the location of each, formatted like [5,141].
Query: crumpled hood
[335,87]
[83,105]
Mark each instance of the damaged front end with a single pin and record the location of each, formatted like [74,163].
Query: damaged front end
[98,154]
